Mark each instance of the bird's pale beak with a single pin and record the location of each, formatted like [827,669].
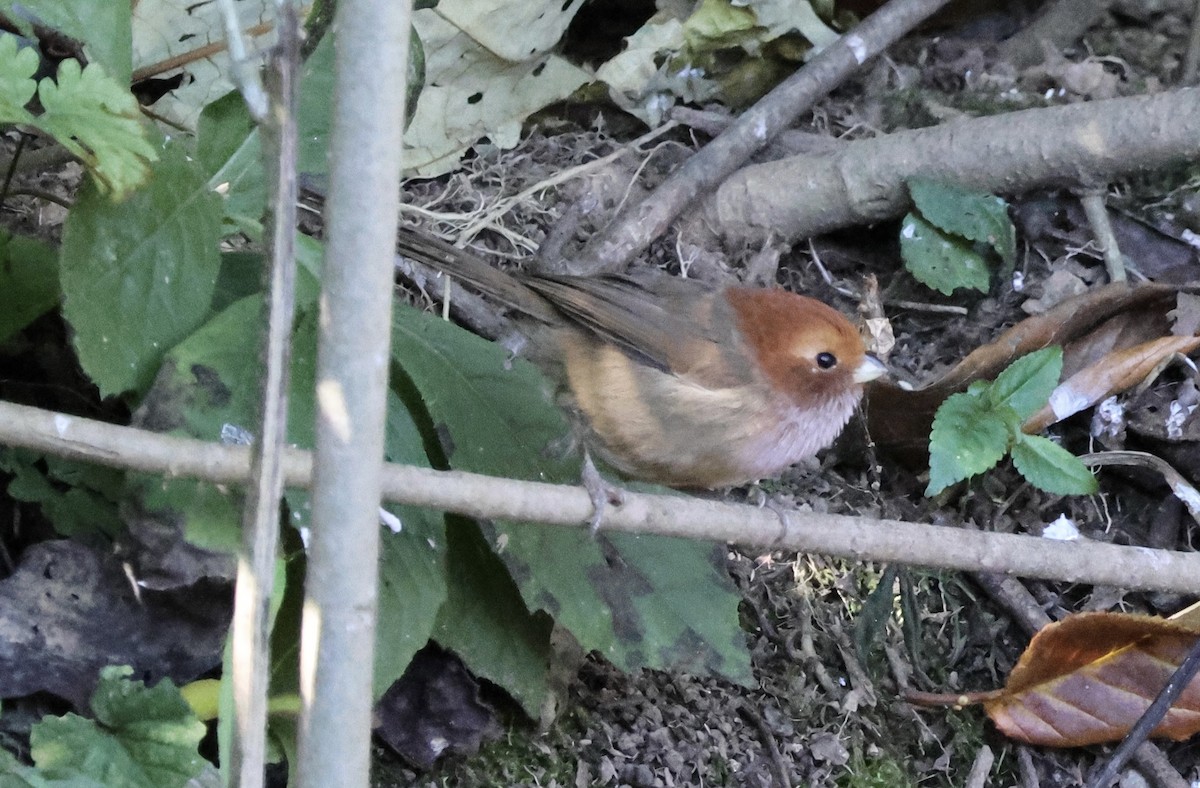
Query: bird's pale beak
[869,369]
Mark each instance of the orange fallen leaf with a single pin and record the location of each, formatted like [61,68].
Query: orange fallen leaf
[1088,678]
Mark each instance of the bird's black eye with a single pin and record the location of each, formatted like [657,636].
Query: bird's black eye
[826,360]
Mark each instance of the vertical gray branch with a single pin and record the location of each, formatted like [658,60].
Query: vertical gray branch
[338,640]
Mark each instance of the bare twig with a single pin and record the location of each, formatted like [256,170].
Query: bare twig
[1181,487]
[921,306]
[1026,769]
[244,73]
[778,766]
[250,634]
[1097,216]
[199,53]
[638,224]
[1058,26]
[1016,599]
[858,538]
[1191,59]
[1153,764]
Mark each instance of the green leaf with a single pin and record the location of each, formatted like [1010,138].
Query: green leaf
[98,120]
[314,115]
[968,437]
[1051,467]
[871,625]
[1027,383]
[674,607]
[485,621]
[209,386]
[104,28]
[142,737]
[28,278]
[940,261]
[230,153]
[412,563]
[79,499]
[976,216]
[17,67]
[138,276]
[495,416]
[230,147]
[211,381]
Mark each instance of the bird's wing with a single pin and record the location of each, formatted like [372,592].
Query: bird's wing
[675,325]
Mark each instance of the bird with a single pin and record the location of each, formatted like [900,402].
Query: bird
[679,382]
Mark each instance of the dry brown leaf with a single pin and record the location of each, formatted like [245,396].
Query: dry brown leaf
[1118,371]
[1088,678]
[1090,327]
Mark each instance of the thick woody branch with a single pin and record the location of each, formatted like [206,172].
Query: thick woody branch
[864,182]
[859,538]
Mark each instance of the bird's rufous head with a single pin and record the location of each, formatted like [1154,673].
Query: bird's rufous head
[807,349]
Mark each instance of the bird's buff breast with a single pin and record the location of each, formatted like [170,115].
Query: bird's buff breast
[658,427]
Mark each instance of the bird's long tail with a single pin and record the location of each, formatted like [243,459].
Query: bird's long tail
[466,267]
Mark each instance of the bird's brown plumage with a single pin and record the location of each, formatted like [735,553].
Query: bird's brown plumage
[681,383]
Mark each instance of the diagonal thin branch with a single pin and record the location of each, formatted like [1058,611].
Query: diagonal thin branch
[634,227]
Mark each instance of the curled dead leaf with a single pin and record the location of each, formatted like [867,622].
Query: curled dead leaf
[1118,371]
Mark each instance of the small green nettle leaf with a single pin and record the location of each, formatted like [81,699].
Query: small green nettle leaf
[943,241]
[975,216]
[142,737]
[968,437]
[1051,467]
[972,431]
[1027,383]
[938,260]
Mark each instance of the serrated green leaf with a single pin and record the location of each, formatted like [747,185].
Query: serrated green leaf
[976,216]
[1027,383]
[17,67]
[98,120]
[968,437]
[28,280]
[497,415]
[138,276]
[1051,467]
[940,261]
[144,737]
[104,28]
[80,500]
